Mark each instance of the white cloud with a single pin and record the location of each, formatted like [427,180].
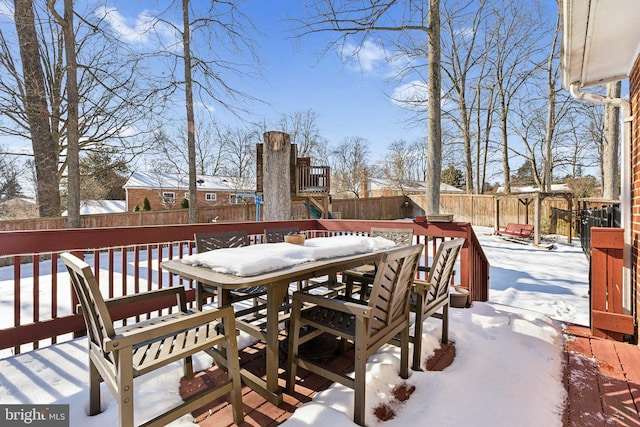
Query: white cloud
[138,29]
[369,57]
[207,107]
[412,95]
[465,32]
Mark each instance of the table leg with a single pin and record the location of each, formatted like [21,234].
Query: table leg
[275,297]
[268,389]
[224,297]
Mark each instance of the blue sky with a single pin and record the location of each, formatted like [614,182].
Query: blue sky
[350,99]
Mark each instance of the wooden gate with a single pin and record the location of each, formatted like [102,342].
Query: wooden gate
[609,319]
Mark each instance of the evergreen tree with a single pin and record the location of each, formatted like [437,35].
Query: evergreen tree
[452,176]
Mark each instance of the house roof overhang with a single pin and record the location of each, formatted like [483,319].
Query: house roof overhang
[600,40]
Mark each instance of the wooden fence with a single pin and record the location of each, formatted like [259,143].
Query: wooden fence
[235,213]
[476,209]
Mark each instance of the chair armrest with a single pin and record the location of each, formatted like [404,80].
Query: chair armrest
[124,300]
[145,296]
[422,286]
[348,307]
[173,325]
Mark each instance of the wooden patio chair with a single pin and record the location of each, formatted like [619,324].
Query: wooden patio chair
[431,296]
[230,239]
[276,235]
[118,355]
[369,326]
[362,277]
[401,236]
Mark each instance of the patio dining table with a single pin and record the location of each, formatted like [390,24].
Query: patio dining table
[277,284]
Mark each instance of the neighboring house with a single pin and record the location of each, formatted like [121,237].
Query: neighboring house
[18,208]
[167,191]
[379,187]
[95,207]
[600,44]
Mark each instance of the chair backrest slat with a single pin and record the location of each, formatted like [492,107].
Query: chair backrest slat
[217,240]
[443,267]
[276,235]
[401,236]
[96,315]
[389,299]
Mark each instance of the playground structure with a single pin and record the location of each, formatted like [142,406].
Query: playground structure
[308,184]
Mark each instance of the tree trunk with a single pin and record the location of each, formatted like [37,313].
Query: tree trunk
[551,113]
[506,170]
[45,148]
[466,137]
[434,135]
[73,137]
[610,168]
[548,139]
[276,176]
[191,127]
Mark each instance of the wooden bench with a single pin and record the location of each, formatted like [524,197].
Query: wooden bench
[524,231]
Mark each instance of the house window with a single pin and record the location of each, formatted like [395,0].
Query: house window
[168,196]
[186,195]
[234,199]
[210,197]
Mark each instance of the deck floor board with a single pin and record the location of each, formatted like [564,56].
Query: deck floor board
[602,379]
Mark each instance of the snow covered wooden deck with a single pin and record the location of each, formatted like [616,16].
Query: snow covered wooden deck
[602,379]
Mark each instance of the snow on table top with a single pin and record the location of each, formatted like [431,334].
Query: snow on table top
[256,259]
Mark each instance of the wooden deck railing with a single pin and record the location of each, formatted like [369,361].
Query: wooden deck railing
[35,287]
[608,317]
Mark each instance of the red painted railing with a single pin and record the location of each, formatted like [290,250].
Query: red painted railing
[34,284]
[608,317]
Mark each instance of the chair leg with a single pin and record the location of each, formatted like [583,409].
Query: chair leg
[94,389]
[445,324]
[404,352]
[125,387]
[359,385]
[348,289]
[188,367]
[294,338]
[199,296]
[233,363]
[417,335]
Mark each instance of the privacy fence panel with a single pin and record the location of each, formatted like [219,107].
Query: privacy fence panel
[476,209]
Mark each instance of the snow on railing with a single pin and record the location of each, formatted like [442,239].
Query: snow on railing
[35,288]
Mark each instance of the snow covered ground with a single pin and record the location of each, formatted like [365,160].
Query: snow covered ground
[507,370]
